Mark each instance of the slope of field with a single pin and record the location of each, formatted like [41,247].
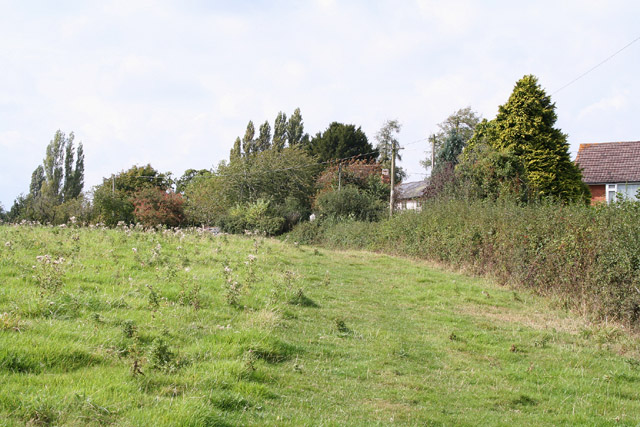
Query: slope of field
[130,327]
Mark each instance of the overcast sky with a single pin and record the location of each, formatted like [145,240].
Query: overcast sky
[172,83]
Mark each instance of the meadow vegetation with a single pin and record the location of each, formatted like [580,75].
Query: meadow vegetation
[133,326]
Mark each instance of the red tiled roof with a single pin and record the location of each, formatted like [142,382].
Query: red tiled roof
[609,162]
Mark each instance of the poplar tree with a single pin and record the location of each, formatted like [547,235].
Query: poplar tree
[263,142]
[280,131]
[295,129]
[236,151]
[248,144]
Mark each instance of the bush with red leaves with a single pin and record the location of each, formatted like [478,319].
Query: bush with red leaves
[157,207]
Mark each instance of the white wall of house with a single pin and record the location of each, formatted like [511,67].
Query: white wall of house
[403,205]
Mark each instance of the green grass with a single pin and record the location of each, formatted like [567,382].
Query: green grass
[295,336]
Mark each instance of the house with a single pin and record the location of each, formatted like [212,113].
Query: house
[409,195]
[611,170]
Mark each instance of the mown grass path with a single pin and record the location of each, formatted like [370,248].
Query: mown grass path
[173,328]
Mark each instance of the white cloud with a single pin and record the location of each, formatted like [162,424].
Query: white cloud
[605,105]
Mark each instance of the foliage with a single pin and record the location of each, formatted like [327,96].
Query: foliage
[54,182]
[524,127]
[156,207]
[486,173]
[285,179]
[206,200]
[236,151]
[349,203]
[257,216]
[113,199]
[264,138]
[188,176]
[280,131]
[248,141]
[295,130]
[112,206]
[363,174]
[461,125]
[339,141]
[387,139]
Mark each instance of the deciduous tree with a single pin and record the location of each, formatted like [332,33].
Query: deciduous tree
[280,131]
[295,129]
[264,138]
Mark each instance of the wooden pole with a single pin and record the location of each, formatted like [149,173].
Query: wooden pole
[392,177]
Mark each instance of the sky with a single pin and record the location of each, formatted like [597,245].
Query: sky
[173,83]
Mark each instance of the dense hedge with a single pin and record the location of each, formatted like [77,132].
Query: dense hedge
[588,257]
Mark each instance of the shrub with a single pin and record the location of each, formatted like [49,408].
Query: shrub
[351,203]
[157,207]
[256,216]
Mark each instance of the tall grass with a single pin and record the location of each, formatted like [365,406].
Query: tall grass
[587,257]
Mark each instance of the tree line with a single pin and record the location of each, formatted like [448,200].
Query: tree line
[279,176]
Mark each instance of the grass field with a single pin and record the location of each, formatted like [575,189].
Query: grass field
[130,327]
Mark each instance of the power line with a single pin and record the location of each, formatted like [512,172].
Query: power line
[596,66]
[415,142]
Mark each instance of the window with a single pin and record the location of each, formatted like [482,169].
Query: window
[612,190]
[628,191]
[622,191]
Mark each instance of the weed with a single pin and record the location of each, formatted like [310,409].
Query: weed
[10,322]
[136,358]
[129,328]
[190,295]
[633,363]
[154,299]
[251,274]
[232,288]
[341,326]
[326,281]
[49,273]
[542,342]
[160,356]
[249,357]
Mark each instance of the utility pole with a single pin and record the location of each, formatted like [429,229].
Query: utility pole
[339,176]
[392,178]
[113,184]
[433,152]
